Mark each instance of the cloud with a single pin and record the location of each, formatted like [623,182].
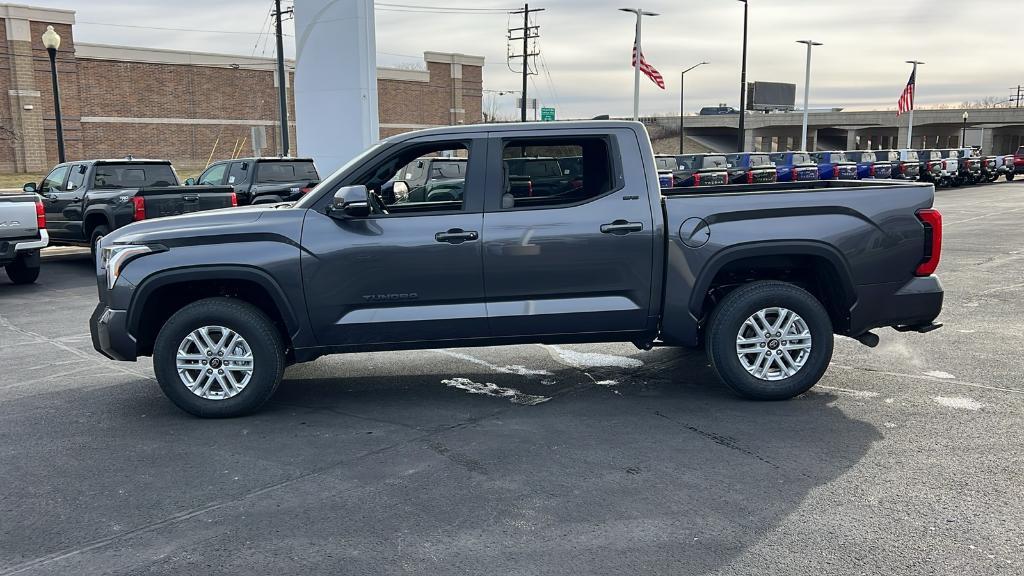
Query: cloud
[586,46]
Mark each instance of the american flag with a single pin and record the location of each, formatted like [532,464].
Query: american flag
[906,103]
[646,68]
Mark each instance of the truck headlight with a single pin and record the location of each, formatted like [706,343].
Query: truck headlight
[114,257]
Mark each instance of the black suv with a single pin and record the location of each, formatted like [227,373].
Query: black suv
[267,180]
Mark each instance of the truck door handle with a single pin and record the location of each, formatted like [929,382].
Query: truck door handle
[620,227]
[456,236]
[51,197]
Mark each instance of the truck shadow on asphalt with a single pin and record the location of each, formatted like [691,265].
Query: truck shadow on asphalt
[662,472]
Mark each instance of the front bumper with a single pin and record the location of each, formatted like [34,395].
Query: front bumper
[110,337]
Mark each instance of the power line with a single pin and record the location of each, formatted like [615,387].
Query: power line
[420,7]
[524,34]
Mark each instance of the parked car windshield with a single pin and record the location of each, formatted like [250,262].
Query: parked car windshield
[287,171]
[133,175]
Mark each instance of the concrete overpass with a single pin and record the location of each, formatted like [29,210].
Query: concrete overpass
[996,130]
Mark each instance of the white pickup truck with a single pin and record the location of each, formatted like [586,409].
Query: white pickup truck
[22,236]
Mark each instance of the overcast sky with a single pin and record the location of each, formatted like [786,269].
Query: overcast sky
[971,46]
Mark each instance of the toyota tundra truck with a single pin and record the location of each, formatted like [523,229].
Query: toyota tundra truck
[760,275]
[22,235]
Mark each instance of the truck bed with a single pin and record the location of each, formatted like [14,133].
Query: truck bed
[18,217]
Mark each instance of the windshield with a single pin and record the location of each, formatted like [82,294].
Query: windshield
[286,171]
[666,163]
[312,196]
[133,175]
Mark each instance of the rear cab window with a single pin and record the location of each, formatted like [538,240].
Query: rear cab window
[286,171]
[133,175]
[714,162]
[760,160]
[801,158]
[666,163]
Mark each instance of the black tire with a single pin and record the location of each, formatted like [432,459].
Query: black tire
[727,319]
[20,272]
[94,237]
[249,322]
[1009,176]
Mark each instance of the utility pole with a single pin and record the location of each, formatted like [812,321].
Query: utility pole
[528,33]
[282,93]
[740,140]
[913,98]
[1017,99]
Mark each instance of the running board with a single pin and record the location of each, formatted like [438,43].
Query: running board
[919,328]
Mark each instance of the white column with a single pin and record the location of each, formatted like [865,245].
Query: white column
[335,80]
[807,94]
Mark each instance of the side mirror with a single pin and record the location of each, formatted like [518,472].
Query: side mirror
[351,202]
[401,191]
[190,181]
[29,187]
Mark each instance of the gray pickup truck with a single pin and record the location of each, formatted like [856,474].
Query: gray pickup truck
[22,235]
[761,275]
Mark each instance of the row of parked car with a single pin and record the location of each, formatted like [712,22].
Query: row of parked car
[943,167]
[77,203]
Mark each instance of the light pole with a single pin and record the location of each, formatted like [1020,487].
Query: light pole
[51,40]
[682,80]
[740,140]
[807,90]
[963,133]
[913,96]
[640,13]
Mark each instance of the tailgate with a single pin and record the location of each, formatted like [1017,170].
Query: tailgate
[176,200]
[18,217]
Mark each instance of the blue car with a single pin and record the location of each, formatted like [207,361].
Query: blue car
[835,166]
[868,165]
[794,167]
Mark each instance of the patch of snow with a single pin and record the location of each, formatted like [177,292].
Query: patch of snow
[939,374]
[487,389]
[889,400]
[606,382]
[510,369]
[889,425]
[966,331]
[958,402]
[593,359]
[548,382]
[854,393]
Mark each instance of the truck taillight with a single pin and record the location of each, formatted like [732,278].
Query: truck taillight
[696,179]
[871,170]
[671,180]
[140,208]
[835,171]
[903,168]
[931,219]
[750,176]
[40,215]
[529,187]
[792,174]
[234,199]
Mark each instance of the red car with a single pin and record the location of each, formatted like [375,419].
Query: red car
[1018,161]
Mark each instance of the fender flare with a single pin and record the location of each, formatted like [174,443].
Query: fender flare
[773,248]
[104,210]
[153,282]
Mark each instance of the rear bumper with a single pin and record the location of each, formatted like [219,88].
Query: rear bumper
[110,337]
[914,304]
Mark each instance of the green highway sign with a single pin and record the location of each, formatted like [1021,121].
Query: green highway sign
[547,114]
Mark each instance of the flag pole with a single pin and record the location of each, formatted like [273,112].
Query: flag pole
[636,70]
[913,97]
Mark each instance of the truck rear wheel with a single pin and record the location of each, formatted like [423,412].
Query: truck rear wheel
[769,340]
[21,272]
[219,358]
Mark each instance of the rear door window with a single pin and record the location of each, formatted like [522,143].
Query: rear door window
[132,175]
[239,173]
[77,176]
[534,178]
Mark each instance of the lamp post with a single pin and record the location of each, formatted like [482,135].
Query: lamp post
[51,40]
[682,80]
[963,133]
[640,13]
[740,140]
[807,90]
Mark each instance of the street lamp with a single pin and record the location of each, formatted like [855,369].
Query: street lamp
[963,134]
[740,141]
[807,90]
[640,12]
[682,80]
[51,40]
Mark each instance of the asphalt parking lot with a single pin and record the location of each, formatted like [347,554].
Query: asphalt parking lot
[596,459]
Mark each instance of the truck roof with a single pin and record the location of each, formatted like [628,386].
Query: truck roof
[518,127]
[120,161]
[267,159]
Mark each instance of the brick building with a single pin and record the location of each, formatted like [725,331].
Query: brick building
[181,105]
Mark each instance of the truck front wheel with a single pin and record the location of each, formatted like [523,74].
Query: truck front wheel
[769,340]
[219,358]
[22,271]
